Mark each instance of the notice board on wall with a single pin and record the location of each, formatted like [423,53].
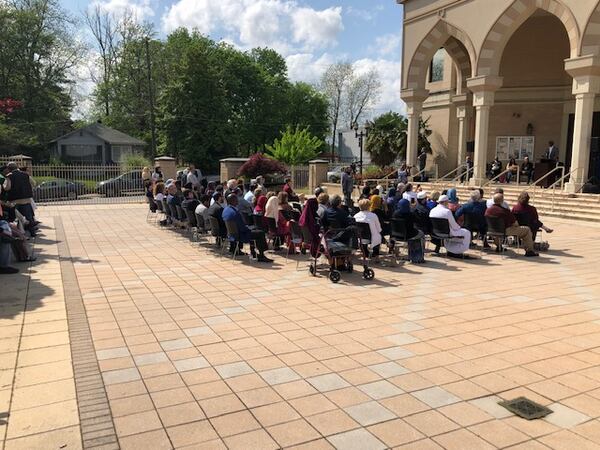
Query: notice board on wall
[517,147]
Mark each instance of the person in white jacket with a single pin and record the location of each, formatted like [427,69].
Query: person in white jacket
[365,216]
[455,247]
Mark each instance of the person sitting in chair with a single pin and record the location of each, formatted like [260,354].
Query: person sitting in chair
[245,234]
[335,215]
[455,247]
[531,215]
[366,216]
[476,208]
[527,169]
[512,227]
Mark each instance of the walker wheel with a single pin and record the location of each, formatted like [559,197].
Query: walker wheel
[313,270]
[368,274]
[335,276]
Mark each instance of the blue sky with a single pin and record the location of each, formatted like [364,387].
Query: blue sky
[311,34]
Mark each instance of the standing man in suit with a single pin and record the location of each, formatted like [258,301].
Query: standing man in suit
[552,152]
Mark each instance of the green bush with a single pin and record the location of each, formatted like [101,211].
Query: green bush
[135,161]
[296,146]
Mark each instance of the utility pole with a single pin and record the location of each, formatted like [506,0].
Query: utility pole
[151,95]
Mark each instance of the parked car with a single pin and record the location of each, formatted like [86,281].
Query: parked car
[57,189]
[130,182]
[334,174]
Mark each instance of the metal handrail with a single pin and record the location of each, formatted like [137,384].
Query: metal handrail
[497,177]
[460,175]
[561,180]
[451,173]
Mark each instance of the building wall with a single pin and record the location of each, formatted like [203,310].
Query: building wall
[79,139]
[475,17]
[348,148]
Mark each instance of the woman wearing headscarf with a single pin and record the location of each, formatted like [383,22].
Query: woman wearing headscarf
[453,203]
[309,220]
[391,200]
[272,211]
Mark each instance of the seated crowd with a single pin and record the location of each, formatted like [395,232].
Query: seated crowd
[252,215]
[17,216]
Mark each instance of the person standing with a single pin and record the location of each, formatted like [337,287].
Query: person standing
[193,177]
[552,152]
[20,194]
[347,186]
[422,163]
[468,170]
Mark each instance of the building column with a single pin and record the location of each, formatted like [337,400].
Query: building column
[484,89]
[463,105]
[586,84]
[414,99]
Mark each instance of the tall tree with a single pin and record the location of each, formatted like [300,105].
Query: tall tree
[37,55]
[334,84]
[387,139]
[362,93]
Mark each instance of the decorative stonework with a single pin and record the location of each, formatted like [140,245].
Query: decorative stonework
[493,46]
[590,44]
[457,44]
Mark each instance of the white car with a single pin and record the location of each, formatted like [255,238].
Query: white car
[334,175]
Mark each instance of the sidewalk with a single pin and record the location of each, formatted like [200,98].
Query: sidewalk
[193,351]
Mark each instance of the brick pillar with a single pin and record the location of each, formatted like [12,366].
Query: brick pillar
[317,173]
[167,165]
[230,168]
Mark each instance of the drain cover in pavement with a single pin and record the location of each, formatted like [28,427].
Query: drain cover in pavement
[523,407]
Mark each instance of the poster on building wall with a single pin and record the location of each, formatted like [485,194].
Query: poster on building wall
[514,147]
[502,148]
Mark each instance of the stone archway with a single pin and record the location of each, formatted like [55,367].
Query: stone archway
[455,42]
[497,38]
[590,42]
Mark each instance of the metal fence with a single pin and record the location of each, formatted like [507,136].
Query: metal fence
[299,175]
[87,184]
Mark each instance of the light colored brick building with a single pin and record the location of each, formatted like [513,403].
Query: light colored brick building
[504,76]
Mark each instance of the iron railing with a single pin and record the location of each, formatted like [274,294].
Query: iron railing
[87,184]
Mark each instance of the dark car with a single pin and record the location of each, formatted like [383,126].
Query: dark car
[127,183]
[58,189]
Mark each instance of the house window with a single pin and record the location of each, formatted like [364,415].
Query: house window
[436,69]
[120,151]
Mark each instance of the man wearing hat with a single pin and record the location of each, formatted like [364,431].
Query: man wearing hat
[455,247]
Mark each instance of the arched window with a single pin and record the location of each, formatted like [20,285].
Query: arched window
[436,68]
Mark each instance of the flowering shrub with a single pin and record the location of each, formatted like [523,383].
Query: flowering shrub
[8,105]
[259,164]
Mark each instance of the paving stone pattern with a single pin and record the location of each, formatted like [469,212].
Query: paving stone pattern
[196,351]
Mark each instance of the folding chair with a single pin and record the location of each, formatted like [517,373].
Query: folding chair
[523,220]
[497,229]
[440,229]
[233,236]
[215,231]
[296,239]
[472,224]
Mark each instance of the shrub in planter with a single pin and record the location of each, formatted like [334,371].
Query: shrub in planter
[259,164]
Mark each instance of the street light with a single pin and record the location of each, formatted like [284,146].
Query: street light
[360,136]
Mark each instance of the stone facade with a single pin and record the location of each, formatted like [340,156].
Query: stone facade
[511,68]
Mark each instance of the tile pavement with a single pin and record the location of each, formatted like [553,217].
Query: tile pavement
[195,351]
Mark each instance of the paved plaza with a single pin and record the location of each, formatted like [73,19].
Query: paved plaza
[124,335]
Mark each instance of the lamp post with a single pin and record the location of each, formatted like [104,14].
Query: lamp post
[360,136]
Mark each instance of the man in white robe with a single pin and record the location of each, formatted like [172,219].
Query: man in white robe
[455,247]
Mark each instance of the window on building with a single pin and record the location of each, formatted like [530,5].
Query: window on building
[436,69]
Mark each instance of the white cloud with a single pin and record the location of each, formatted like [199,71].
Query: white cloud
[140,9]
[368,15]
[253,23]
[306,67]
[317,28]
[387,45]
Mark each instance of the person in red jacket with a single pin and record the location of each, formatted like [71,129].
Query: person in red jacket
[512,227]
[523,207]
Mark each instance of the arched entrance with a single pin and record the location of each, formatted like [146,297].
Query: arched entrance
[489,88]
[458,46]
